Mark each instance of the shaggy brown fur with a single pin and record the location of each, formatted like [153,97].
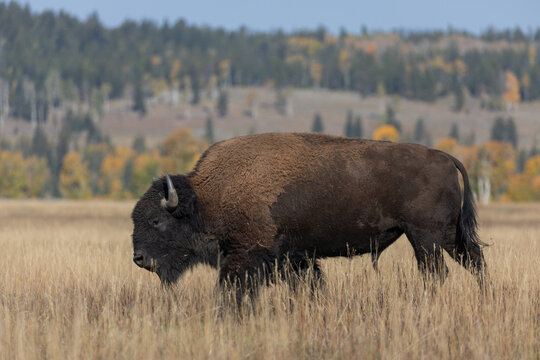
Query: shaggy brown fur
[270,197]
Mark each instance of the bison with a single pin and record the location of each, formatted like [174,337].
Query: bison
[256,202]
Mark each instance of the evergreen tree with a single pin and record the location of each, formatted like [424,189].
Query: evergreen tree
[511,132]
[41,146]
[138,98]
[127,176]
[21,107]
[534,149]
[357,127]
[459,99]
[421,135]
[498,130]
[454,132]
[505,131]
[470,139]
[139,144]
[419,131]
[209,129]
[390,118]
[93,133]
[521,160]
[317,125]
[195,88]
[348,131]
[457,89]
[62,148]
[223,104]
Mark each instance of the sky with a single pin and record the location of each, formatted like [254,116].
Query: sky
[288,15]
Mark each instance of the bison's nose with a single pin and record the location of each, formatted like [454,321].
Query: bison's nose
[138,259]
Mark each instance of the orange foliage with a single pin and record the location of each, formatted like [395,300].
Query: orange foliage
[469,155]
[155,60]
[449,145]
[112,172]
[372,49]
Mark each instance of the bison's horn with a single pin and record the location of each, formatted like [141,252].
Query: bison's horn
[172,202]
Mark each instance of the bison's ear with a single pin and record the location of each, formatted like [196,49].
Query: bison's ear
[187,202]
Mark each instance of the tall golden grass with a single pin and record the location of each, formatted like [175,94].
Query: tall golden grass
[68,289]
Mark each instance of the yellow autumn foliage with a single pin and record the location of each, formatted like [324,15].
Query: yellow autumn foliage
[386,132]
[460,66]
[112,173]
[175,69]
[512,94]
[296,59]
[448,144]
[146,167]
[20,177]
[316,70]
[305,43]
[183,150]
[501,160]
[532,167]
[526,186]
[74,177]
[344,61]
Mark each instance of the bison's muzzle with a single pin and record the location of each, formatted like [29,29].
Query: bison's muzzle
[144,262]
[138,259]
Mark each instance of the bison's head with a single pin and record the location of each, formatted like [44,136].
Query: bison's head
[167,229]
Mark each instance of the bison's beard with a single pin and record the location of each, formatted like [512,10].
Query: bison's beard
[169,273]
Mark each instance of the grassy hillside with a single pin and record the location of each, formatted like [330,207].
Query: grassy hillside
[122,124]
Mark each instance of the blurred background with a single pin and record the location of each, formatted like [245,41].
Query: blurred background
[96,99]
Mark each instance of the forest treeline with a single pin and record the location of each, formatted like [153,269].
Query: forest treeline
[48,59]
[77,168]
[53,60]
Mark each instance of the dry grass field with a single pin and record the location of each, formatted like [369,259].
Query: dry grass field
[69,290]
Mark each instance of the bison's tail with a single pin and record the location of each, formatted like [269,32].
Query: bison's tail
[467,238]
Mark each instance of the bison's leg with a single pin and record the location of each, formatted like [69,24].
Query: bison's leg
[377,251]
[303,269]
[380,244]
[245,271]
[471,257]
[428,253]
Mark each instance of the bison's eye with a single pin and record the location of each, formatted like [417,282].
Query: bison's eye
[154,222]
